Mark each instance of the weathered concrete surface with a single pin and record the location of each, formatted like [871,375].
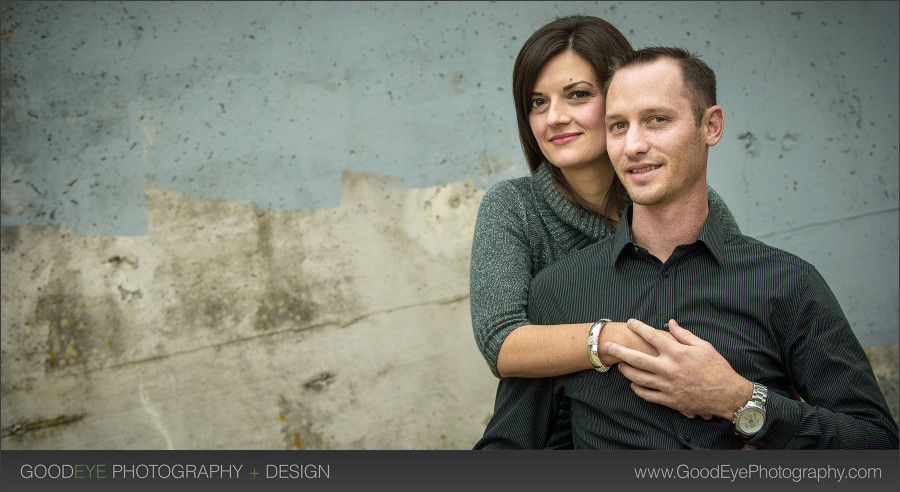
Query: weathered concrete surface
[246,225]
[228,317]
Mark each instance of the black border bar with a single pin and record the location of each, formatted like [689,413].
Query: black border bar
[416,471]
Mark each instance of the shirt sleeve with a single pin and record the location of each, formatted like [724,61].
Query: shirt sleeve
[842,407]
[500,270]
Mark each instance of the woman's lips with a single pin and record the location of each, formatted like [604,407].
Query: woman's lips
[563,138]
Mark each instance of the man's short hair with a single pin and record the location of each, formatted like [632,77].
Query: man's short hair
[699,79]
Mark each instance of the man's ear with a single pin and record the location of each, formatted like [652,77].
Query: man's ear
[714,124]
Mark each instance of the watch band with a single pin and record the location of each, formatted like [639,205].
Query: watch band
[593,339]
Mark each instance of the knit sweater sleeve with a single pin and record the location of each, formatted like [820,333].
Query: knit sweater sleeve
[500,271]
[718,207]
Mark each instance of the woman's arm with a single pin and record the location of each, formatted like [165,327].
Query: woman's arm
[501,271]
[533,351]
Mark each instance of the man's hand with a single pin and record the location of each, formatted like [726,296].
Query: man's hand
[688,375]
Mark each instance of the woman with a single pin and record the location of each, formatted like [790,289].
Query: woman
[571,199]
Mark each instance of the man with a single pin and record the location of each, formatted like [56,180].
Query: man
[745,322]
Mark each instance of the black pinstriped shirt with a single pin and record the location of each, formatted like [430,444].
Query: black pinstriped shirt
[769,313]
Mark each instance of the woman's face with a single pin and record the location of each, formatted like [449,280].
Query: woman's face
[567,113]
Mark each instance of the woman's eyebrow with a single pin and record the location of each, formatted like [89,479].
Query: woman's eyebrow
[573,84]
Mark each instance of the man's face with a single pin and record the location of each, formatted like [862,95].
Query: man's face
[653,139]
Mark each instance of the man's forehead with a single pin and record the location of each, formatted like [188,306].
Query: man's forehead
[664,68]
[659,78]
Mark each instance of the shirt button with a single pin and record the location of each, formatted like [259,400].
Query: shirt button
[687,438]
[666,274]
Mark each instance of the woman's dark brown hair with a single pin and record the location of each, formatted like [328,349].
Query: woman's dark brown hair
[595,40]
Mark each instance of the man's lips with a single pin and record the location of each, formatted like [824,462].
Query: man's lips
[643,168]
[563,138]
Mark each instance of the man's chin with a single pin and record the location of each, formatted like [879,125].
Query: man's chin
[644,197]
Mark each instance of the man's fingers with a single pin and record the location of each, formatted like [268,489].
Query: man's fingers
[629,356]
[639,377]
[657,338]
[683,335]
[649,395]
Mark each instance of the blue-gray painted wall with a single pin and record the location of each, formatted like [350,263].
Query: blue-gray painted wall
[272,103]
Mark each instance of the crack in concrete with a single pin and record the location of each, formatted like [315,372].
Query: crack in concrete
[153,413]
[439,302]
[825,222]
[409,306]
[21,428]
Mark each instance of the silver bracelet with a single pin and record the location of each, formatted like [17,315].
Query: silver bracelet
[593,339]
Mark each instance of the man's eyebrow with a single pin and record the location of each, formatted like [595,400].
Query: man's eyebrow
[643,112]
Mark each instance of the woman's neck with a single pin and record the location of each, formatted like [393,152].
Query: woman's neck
[592,184]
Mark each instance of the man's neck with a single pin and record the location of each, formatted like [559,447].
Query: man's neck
[661,228]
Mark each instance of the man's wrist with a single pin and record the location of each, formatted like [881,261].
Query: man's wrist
[743,395]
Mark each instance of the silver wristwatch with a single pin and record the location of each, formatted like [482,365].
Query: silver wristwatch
[593,339]
[749,419]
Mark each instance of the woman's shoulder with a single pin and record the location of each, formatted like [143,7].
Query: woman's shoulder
[515,193]
[515,186]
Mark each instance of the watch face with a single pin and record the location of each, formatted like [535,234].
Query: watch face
[751,420]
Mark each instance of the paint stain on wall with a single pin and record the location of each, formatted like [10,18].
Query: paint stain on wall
[81,333]
[299,426]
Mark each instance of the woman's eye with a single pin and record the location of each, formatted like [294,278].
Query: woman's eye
[536,103]
[579,94]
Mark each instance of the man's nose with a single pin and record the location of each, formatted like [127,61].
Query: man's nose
[635,141]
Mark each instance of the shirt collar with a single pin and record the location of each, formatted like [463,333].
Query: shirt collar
[711,236]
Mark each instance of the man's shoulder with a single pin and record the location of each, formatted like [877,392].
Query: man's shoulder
[742,246]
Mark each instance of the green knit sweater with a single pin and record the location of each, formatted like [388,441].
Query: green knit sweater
[523,225]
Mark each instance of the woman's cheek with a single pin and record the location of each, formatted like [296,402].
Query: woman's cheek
[537,128]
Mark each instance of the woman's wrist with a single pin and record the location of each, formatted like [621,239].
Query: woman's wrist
[613,332]
[618,332]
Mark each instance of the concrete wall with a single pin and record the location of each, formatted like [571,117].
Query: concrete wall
[247,225]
